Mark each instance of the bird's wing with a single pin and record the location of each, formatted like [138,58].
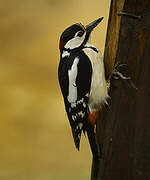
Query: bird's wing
[75,81]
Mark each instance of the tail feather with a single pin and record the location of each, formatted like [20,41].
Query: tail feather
[93,144]
[95,150]
[76,136]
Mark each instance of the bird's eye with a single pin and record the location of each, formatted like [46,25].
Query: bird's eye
[79,34]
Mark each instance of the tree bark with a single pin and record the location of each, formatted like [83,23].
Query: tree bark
[123,130]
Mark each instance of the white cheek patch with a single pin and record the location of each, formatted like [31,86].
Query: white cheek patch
[75,42]
[72,74]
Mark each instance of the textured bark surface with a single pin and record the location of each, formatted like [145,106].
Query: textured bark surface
[112,35]
[123,130]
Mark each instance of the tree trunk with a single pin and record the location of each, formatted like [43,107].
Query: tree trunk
[123,130]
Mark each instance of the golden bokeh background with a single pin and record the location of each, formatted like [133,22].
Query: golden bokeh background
[35,137]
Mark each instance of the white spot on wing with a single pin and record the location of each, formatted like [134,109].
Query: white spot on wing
[80,125]
[84,105]
[73,105]
[80,101]
[82,114]
[73,117]
[77,127]
[87,95]
[72,74]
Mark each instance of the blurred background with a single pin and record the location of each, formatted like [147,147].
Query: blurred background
[35,137]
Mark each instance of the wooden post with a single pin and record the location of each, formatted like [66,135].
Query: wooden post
[123,130]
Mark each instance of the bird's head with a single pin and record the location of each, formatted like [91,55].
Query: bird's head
[77,35]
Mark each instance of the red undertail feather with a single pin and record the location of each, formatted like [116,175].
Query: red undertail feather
[93,116]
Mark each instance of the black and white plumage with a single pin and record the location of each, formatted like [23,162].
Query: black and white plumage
[82,80]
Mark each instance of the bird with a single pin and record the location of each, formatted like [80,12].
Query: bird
[82,81]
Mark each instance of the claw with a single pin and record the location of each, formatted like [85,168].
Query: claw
[118,65]
[121,65]
[118,75]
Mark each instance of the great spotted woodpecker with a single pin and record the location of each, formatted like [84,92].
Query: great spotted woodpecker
[82,81]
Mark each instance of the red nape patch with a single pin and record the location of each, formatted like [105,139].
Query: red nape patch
[61,45]
[93,116]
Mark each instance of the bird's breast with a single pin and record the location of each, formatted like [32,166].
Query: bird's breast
[98,91]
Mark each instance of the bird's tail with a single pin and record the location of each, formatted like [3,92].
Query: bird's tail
[76,136]
[95,150]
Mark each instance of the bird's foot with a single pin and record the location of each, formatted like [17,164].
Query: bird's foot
[116,74]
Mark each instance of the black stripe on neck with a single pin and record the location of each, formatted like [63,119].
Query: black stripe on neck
[91,47]
[79,48]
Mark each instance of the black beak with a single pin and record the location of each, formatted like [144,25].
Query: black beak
[92,25]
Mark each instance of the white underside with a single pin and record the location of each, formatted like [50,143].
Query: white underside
[99,89]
